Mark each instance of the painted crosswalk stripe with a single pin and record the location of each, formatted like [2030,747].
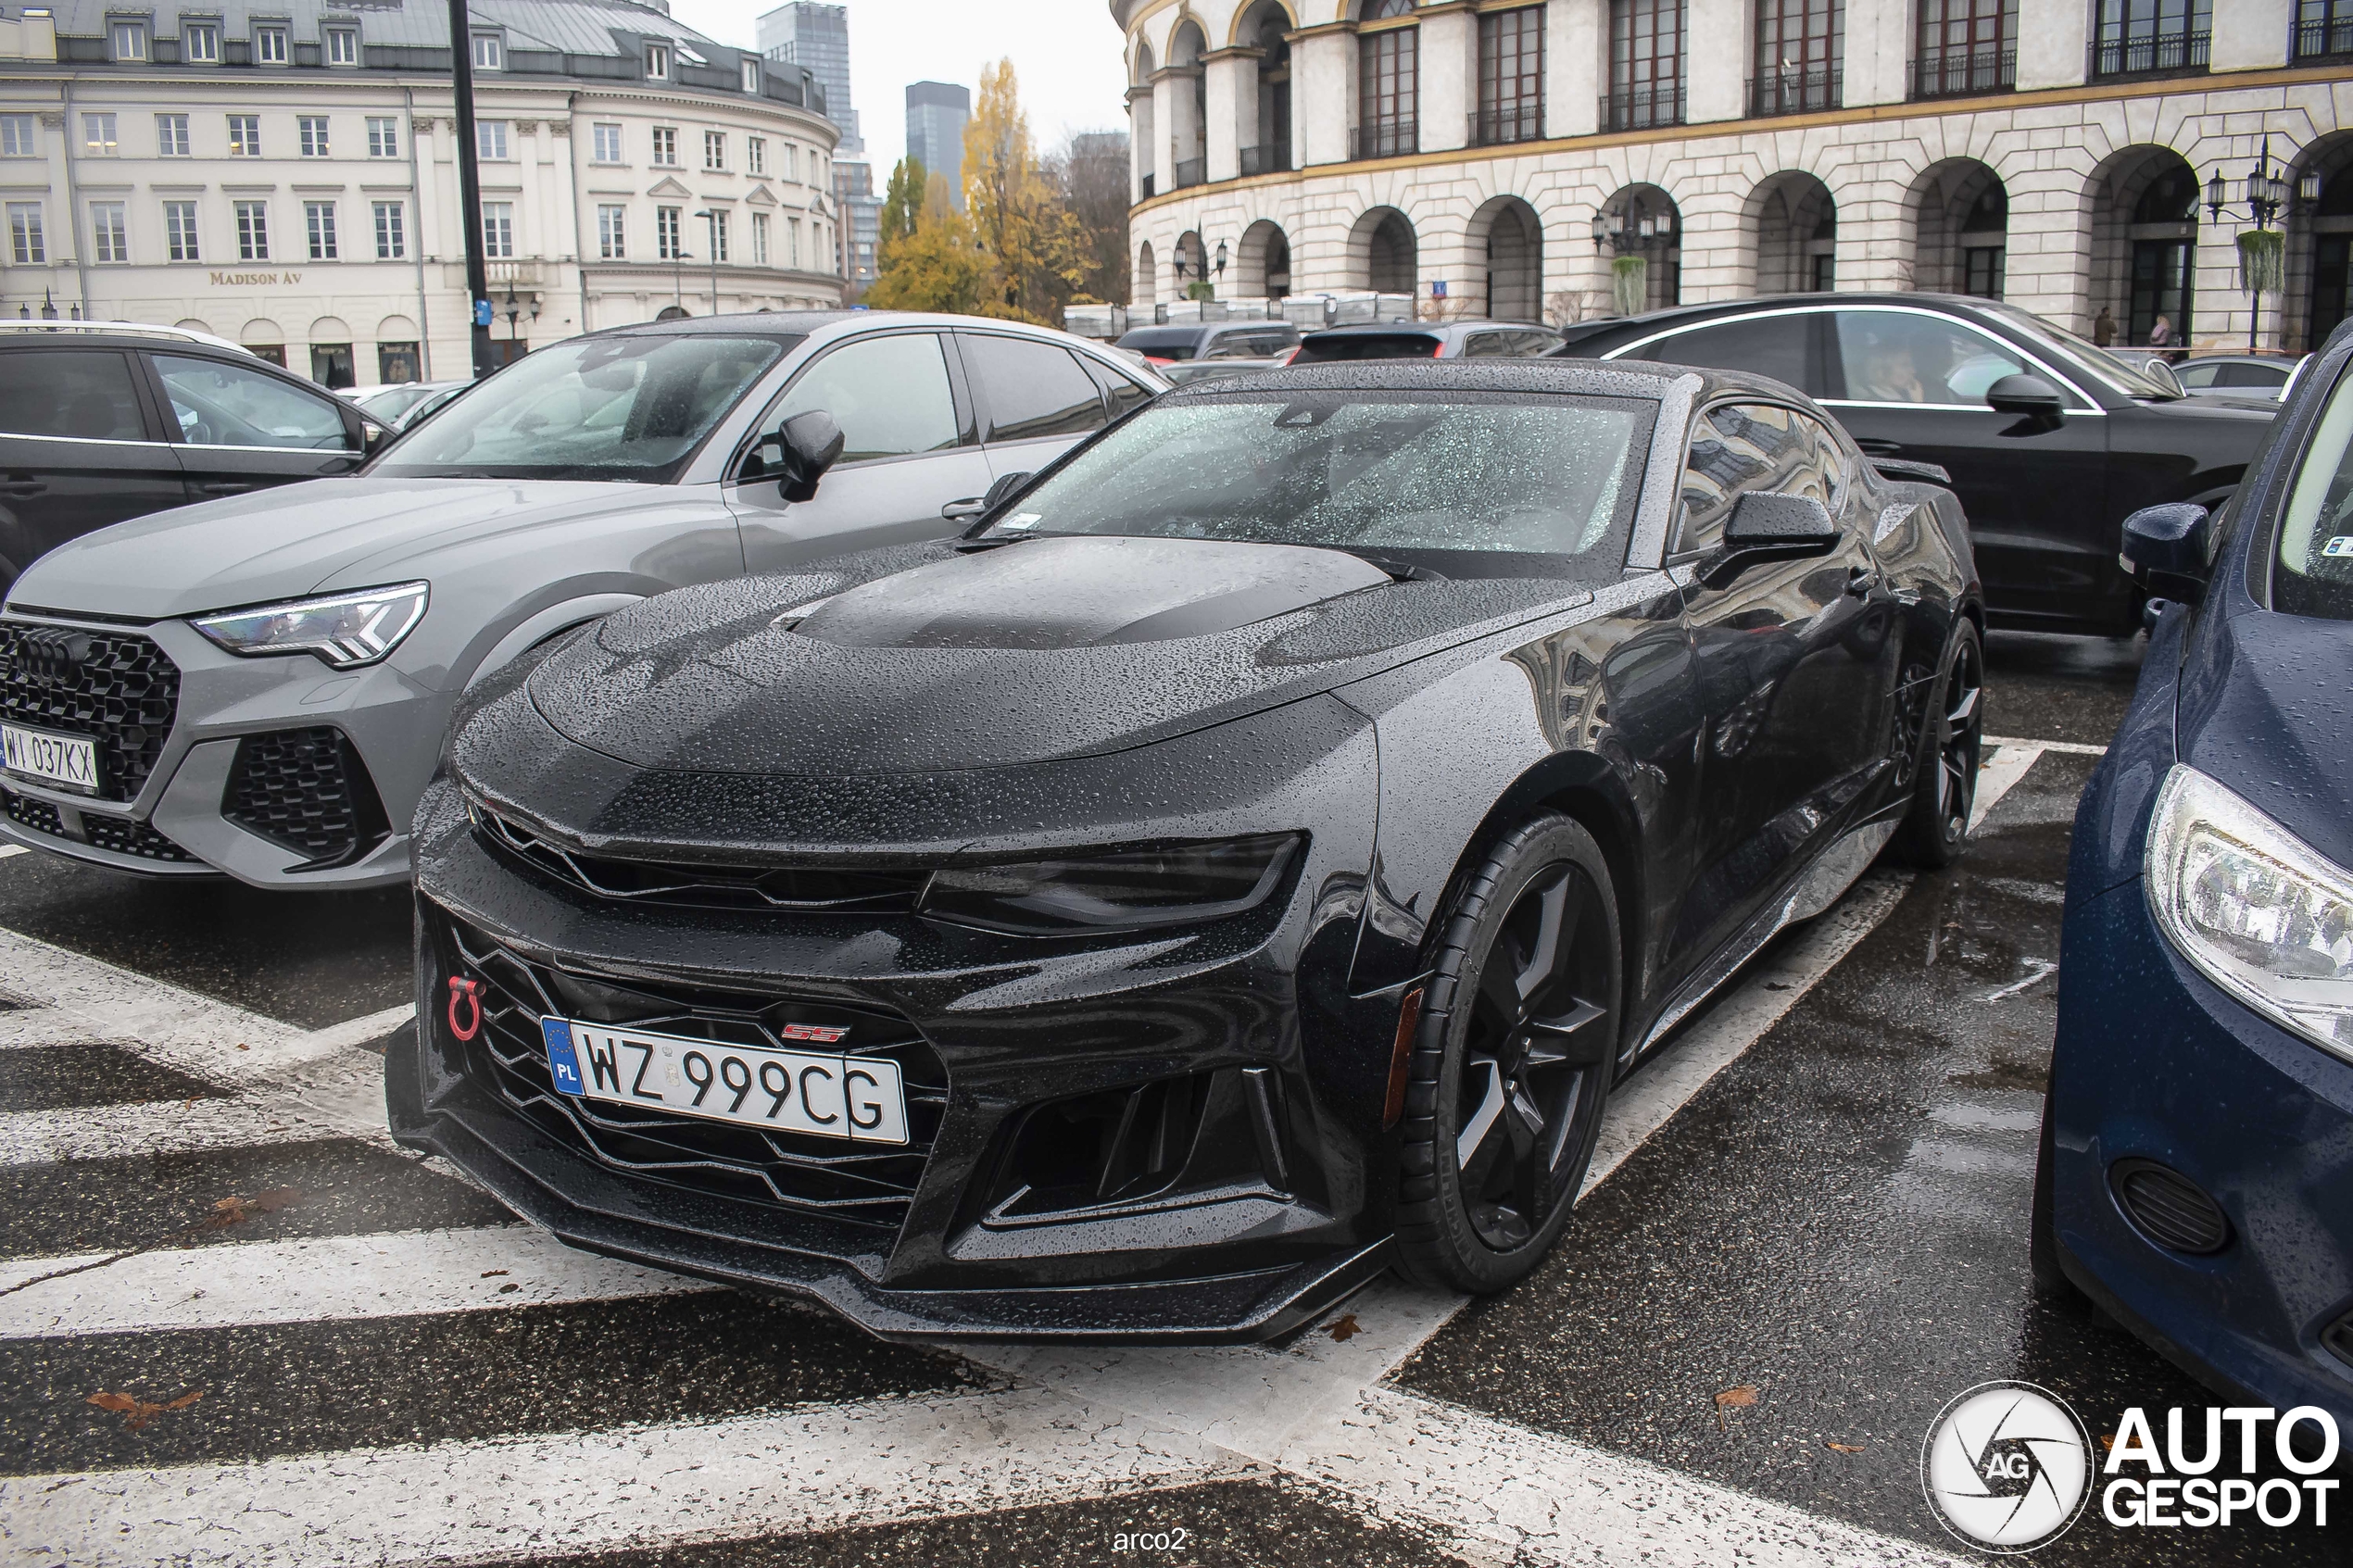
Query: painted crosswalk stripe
[241,1284]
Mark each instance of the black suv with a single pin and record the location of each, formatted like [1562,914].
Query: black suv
[2050,441]
[101,421]
[1211,340]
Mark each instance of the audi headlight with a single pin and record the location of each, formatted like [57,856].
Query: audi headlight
[2260,912]
[346,630]
[1129,890]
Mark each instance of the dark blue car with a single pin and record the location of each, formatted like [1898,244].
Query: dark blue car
[2196,1168]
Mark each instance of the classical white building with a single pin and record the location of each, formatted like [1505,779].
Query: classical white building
[1499,156]
[283,174]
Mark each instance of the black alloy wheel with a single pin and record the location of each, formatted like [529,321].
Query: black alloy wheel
[1935,832]
[1512,1064]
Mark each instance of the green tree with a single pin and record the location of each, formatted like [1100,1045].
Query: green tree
[932,264]
[903,199]
[1035,249]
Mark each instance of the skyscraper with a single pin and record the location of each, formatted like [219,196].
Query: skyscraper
[936,114]
[816,38]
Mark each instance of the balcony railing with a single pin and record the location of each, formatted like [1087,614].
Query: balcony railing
[1269,157]
[1794,91]
[1640,109]
[1504,125]
[1953,73]
[1389,138]
[2324,40]
[2157,53]
[1189,171]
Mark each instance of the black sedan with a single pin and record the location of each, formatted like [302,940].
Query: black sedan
[2049,441]
[1426,340]
[1243,862]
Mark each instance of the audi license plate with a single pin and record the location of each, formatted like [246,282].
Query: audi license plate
[71,760]
[859,1098]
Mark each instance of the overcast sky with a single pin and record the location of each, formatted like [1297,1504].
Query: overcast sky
[1065,52]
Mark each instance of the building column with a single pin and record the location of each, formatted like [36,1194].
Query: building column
[1576,69]
[1180,116]
[2047,254]
[2250,36]
[1233,108]
[1323,94]
[1448,53]
[2054,39]
[1165,89]
[1876,67]
[1719,84]
[1140,140]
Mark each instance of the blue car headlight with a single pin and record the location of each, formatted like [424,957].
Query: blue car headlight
[2258,911]
[346,630]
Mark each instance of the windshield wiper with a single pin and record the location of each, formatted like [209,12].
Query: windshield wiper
[1403,571]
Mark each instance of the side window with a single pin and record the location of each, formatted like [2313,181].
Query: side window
[1124,394]
[81,393]
[1908,357]
[1031,389]
[1737,448]
[1491,345]
[890,394]
[1266,344]
[223,405]
[1782,346]
[2199,375]
[1837,468]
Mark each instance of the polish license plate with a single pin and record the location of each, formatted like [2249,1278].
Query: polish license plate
[858,1098]
[71,760]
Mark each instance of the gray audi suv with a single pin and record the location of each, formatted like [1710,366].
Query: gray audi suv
[258,685]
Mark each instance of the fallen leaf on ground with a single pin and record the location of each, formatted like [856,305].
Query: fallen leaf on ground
[1737,1399]
[493,1274]
[1345,1328]
[234,1211]
[138,1412]
[242,1047]
[1846,1447]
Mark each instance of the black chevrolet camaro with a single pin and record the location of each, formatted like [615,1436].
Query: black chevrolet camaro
[1241,863]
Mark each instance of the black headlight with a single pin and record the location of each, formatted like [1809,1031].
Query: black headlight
[1129,890]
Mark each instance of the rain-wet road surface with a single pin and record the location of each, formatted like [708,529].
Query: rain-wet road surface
[383,1368]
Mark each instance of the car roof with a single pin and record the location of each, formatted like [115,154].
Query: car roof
[114,335]
[1592,378]
[1659,320]
[1425,329]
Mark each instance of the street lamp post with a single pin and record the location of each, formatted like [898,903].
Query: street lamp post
[711,233]
[461,63]
[2262,265]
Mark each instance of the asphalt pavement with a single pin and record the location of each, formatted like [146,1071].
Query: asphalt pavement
[237,1325]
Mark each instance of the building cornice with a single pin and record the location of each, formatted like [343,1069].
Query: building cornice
[1868,114]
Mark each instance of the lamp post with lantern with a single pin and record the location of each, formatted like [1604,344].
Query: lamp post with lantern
[2262,250]
[1632,234]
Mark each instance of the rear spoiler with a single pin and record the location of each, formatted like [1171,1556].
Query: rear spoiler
[1919,474]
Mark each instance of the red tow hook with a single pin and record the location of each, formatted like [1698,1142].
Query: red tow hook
[470,993]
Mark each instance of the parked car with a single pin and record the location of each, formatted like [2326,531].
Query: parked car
[426,407]
[1185,372]
[2239,375]
[2192,1177]
[1426,340]
[1241,862]
[2050,441]
[1209,340]
[103,420]
[390,403]
[258,685]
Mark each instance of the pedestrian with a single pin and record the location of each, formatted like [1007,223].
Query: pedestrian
[2161,333]
[2103,329]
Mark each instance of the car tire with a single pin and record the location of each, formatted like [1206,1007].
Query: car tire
[1512,1061]
[2051,1284]
[1935,831]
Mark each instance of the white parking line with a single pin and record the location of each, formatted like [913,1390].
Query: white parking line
[240,1283]
[2071,748]
[107,1131]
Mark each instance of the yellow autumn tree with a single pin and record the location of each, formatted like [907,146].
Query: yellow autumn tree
[1034,249]
[928,262]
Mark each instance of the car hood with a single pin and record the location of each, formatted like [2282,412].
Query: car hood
[293,540]
[2262,712]
[1043,650]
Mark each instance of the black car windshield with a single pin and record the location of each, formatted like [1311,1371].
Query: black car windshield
[2316,533]
[2082,356]
[1467,483]
[596,407]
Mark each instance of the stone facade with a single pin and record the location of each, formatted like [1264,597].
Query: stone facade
[1875,188]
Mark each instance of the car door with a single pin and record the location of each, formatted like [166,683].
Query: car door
[1911,383]
[1036,399]
[79,447]
[1789,669]
[242,427]
[909,447]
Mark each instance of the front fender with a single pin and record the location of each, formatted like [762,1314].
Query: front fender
[537,627]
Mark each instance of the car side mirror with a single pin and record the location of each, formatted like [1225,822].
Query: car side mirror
[2030,395]
[1765,527]
[2169,549]
[974,508]
[372,437]
[806,445]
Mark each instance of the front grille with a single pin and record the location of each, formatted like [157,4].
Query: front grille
[796,888]
[306,789]
[2169,1207]
[840,1181]
[116,687]
[103,833]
